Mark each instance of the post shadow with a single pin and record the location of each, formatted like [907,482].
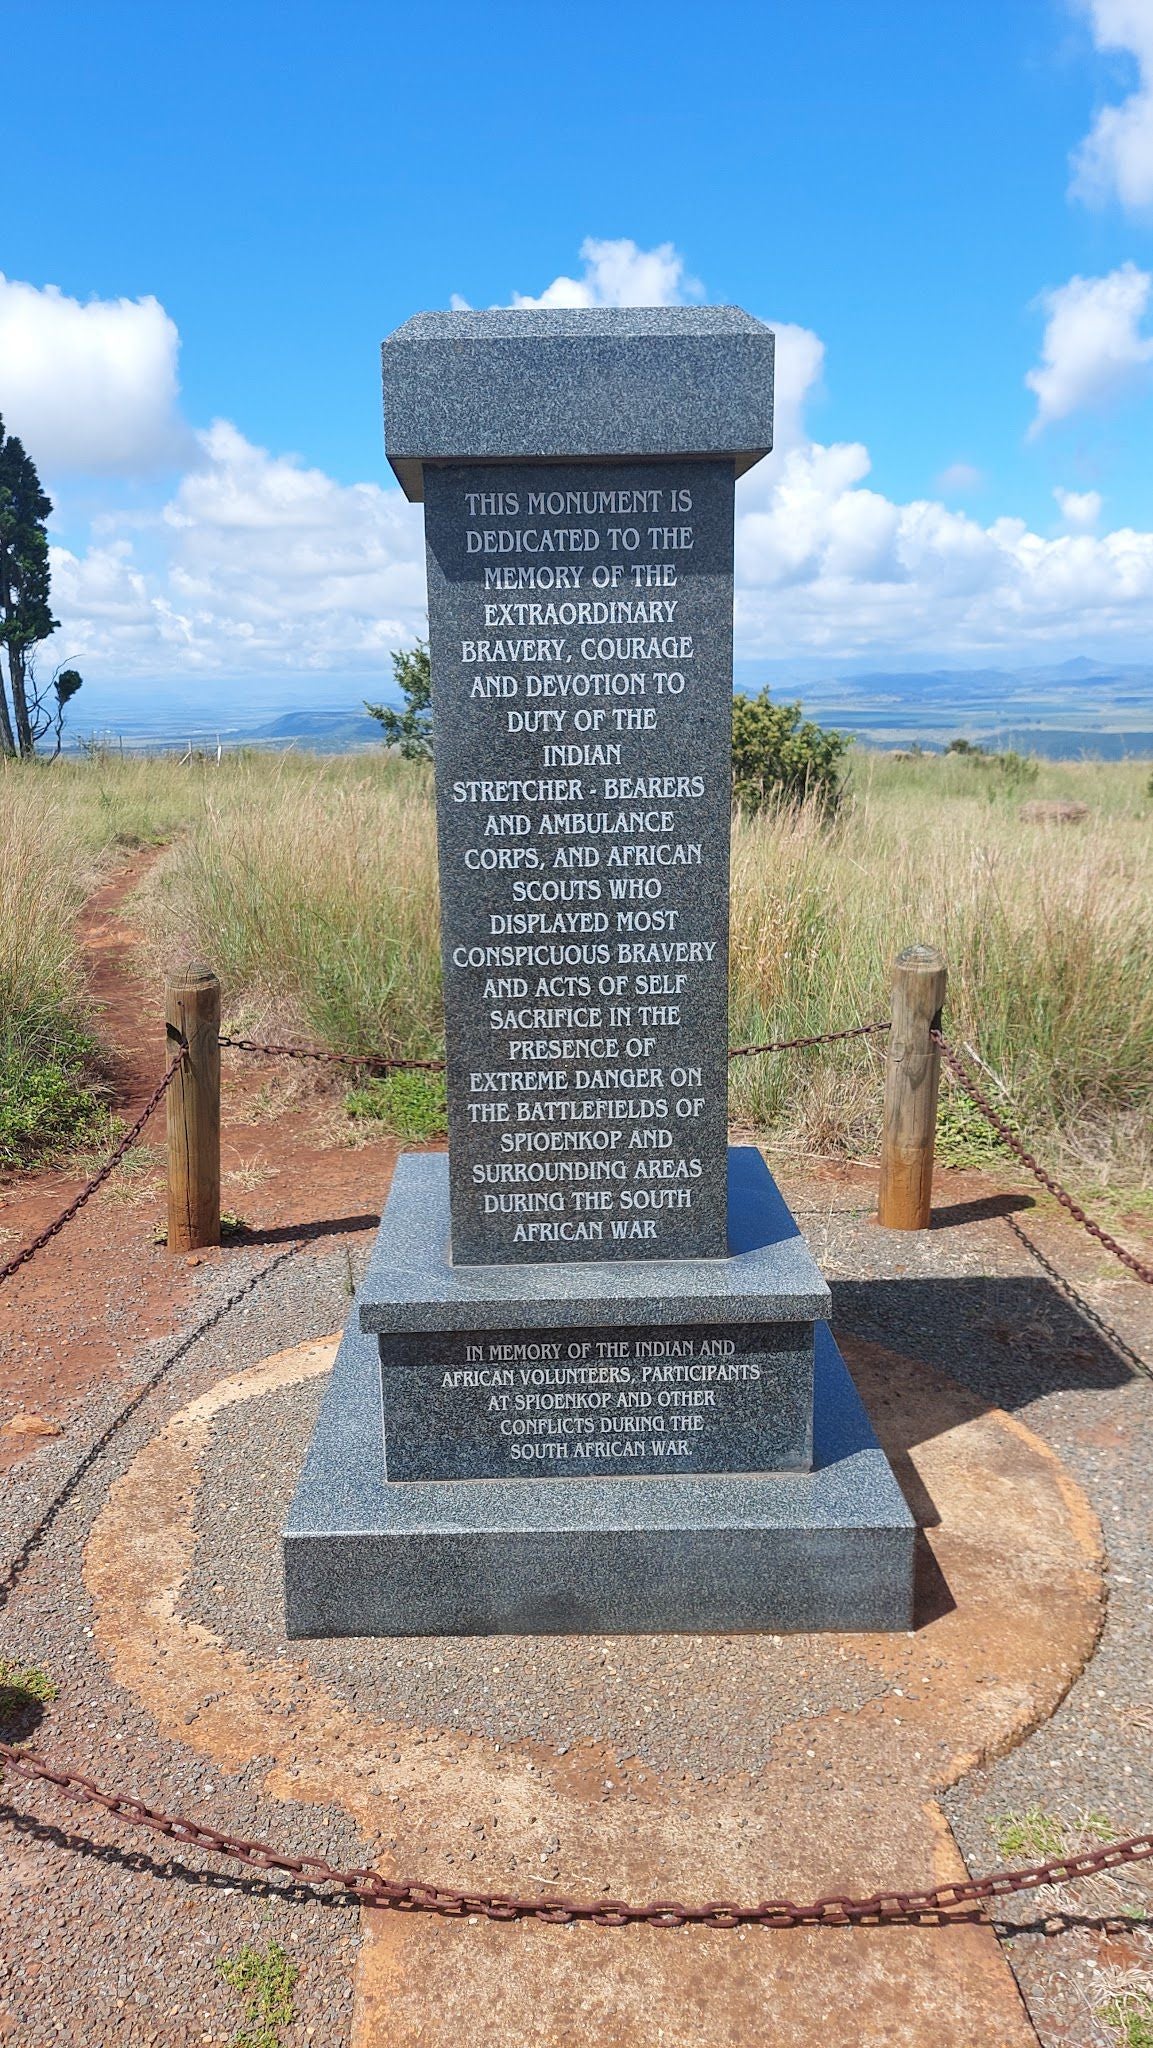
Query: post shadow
[1007,1339]
[1000,1341]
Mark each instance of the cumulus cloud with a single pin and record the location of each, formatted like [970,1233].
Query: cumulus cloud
[260,565]
[90,386]
[831,566]
[1079,509]
[1116,158]
[620,274]
[256,564]
[798,366]
[1092,350]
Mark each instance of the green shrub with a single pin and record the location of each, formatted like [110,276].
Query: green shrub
[410,1103]
[1011,770]
[47,1105]
[22,1686]
[778,756]
[965,1137]
[1016,769]
[409,730]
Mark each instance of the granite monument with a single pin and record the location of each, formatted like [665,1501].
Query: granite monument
[588,1383]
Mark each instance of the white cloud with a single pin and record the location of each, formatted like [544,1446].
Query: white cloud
[256,564]
[1079,509]
[1092,349]
[260,566]
[90,387]
[620,274]
[1116,157]
[829,566]
[960,480]
[799,362]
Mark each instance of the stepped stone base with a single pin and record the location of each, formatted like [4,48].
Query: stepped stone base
[827,1549]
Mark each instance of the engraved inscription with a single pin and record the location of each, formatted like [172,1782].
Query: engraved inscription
[655,1401]
[581,640]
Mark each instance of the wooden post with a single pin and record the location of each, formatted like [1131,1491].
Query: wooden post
[912,1076]
[192,1015]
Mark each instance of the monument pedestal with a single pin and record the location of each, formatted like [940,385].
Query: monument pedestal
[652,1448]
[588,1383]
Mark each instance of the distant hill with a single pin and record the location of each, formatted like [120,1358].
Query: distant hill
[322,732]
[1063,709]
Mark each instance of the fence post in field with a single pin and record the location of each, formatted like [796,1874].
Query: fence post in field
[912,1077]
[192,1018]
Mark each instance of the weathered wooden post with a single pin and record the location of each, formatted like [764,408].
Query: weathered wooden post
[192,1017]
[912,1077]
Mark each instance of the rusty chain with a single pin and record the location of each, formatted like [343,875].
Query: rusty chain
[387,1063]
[370,1888]
[98,1179]
[382,1061]
[410,1896]
[952,1059]
[737,1052]
[340,1059]
[386,1060]
[964,1079]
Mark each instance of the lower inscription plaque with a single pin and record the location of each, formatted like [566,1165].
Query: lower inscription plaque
[571,1404]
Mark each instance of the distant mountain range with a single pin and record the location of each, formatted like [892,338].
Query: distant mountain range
[1063,709]
[328,732]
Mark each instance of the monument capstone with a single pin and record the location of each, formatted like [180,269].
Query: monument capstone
[587,1384]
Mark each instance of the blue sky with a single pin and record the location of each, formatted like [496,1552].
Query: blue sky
[932,203]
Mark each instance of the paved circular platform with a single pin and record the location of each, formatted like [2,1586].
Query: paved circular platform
[654,1766]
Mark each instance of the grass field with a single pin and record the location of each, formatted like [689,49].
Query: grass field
[310,884]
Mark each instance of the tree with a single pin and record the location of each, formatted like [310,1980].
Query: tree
[778,756]
[65,684]
[410,729]
[25,615]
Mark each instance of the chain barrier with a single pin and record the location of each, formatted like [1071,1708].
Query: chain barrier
[964,1078]
[341,1059]
[369,1887]
[410,1896]
[737,1052]
[385,1060]
[98,1179]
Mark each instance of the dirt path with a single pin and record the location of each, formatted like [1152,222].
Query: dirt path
[73,1318]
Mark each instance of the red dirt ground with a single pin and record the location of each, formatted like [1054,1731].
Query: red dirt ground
[83,1306]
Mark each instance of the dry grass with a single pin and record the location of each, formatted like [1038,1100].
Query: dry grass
[44,870]
[310,884]
[46,1056]
[1048,931]
[313,893]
